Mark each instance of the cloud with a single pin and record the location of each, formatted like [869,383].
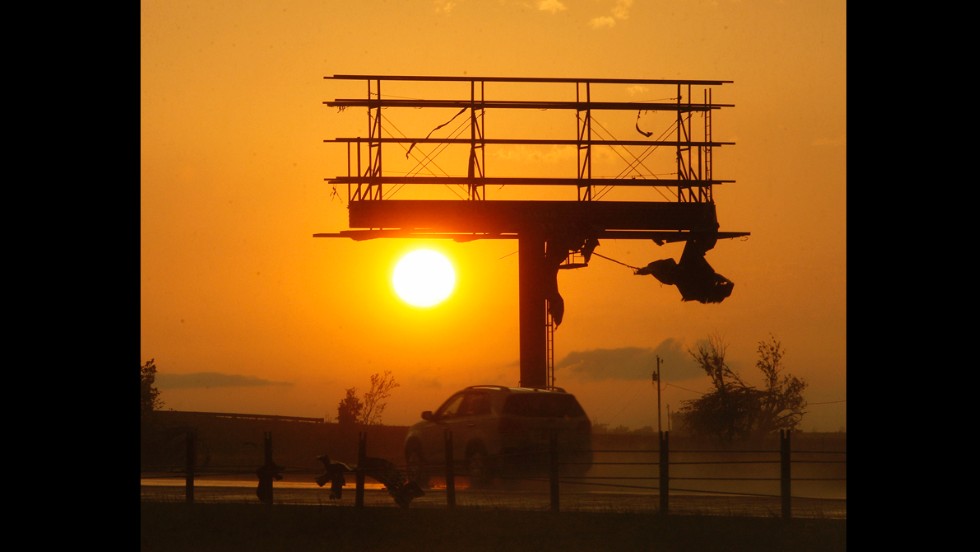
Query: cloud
[553,6]
[211,379]
[630,363]
[620,11]
[602,21]
[444,6]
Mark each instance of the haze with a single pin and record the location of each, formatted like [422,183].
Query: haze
[244,311]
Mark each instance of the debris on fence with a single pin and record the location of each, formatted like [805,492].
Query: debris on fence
[385,472]
[267,472]
[334,473]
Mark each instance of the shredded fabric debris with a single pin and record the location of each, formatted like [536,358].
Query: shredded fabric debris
[693,276]
[647,134]
[461,111]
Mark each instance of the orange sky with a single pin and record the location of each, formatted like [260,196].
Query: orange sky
[244,311]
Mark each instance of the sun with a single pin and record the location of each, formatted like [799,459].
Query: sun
[424,278]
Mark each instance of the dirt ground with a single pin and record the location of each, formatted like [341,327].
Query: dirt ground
[178,527]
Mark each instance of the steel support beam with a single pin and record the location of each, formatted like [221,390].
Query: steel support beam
[516,216]
[532,271]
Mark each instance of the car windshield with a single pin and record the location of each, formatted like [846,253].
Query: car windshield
[451,407]
[543,406]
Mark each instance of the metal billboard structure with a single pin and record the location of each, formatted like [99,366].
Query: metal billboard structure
[669,180]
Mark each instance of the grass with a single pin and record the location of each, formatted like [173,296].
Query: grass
[173,527]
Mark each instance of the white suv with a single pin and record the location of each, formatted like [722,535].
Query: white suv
[500,431]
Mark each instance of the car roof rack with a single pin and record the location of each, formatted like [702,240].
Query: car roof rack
[508,388]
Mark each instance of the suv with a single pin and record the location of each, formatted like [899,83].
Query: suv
[500,431]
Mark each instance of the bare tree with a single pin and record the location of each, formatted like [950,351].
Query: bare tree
[722,413]
[376,399]
[736,410]
[782,405]
[710,356]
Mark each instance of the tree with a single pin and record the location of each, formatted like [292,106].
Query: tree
[717,413]
[782,402]
[369,409]
[737,410]
[349,409]
[376,399]
[149,394]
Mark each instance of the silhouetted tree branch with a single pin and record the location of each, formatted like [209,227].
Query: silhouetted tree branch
[376,399]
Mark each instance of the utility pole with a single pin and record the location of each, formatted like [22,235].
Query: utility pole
[656,380]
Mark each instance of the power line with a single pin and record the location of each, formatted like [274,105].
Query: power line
[684,388]
[615,261]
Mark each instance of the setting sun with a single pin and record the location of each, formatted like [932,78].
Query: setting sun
[424,278]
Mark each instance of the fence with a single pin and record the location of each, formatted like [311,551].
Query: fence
[661,472]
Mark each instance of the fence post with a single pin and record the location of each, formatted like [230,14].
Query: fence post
[359,472]
[664,470]
[267,473]
[784,472]
[553,457]
[450,471]
[189,469]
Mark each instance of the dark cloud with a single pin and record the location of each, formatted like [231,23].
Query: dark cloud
[211,379]
[630,363]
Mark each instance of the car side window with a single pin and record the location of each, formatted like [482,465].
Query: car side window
[475,404]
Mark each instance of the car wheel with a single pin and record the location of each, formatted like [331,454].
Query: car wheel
[415,466]
[478,467]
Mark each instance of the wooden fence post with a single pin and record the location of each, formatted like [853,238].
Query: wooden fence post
[784,472]
[267,472]
[359,472]
[553,457]
[450,471]
[664,470]
[189,469]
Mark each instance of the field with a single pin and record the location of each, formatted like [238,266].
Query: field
[177,527]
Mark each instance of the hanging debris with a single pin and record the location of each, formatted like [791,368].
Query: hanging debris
[461,111]
[557,250]
[554,256]
[693,276]
[638,129]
